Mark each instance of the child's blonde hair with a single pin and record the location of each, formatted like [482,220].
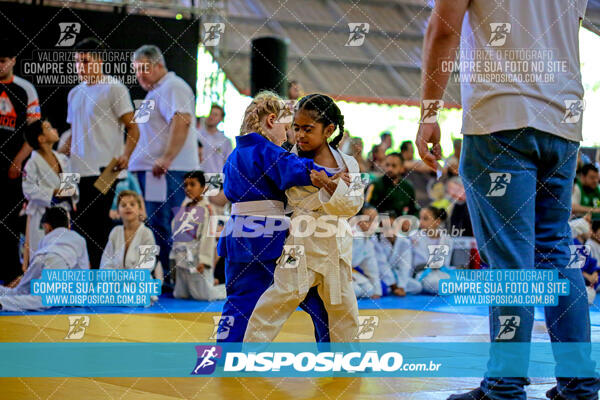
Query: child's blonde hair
[263,104]
[129,193]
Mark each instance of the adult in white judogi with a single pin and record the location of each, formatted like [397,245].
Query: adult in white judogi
[326,262]
[61,248]
[193,244]
[39,183]
[114,255]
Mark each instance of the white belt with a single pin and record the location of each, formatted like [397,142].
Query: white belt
[259,207]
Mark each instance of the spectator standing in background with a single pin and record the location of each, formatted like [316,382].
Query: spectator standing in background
[356,150]
[451,166]
[295,90]
[168,146]
[376,159]
[19,106]
[216,147]
[98,109]
[386,141]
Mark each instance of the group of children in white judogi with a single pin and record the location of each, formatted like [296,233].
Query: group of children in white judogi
[51,193]
[402,262]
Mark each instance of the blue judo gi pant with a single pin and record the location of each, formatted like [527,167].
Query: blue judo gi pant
[518,185]
[245,283]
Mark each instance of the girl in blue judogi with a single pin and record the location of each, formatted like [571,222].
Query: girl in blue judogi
[257,173]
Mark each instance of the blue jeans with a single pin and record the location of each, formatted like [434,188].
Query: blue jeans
[160,214]
[521,222]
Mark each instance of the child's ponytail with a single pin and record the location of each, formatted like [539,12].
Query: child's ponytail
[264,103]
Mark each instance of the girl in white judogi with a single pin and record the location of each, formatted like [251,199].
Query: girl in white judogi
[42,180]
[324,257]
[129,245]
[194,246]
[431,250]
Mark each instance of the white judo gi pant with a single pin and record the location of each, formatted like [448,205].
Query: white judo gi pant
[282,298]
[18,298]
[199,286]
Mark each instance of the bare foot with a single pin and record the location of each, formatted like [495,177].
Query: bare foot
[399,292]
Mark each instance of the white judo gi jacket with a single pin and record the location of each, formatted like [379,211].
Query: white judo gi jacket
[114,255]
[329,248]
[39,183]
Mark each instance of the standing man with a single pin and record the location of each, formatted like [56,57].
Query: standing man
[168,148]
[518,164]
[216,147]
[19,106]
[98,109]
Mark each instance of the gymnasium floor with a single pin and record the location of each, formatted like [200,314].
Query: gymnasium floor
[412,319]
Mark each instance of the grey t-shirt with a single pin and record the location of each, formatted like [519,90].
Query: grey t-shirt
[519,66]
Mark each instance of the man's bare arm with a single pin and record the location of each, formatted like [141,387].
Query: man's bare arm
[178,131]
[133,135]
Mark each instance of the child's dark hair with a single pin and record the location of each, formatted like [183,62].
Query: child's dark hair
[397,155]
[595,225]
[198,175]
[327,112]
[32,133]
[438,213]
[365,207]
[56,217]
[218,107]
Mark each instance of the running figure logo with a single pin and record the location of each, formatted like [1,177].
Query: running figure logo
[148,255]
[366,326]
[143,108]
[437,255]
[579,255]
[500,31]
[286,115]
[223,325]
[358,183]
[499,183]
[68,33]
[508,326]
[188,221]
[207,359]
[68,184]
[573,111]
[212,33]
[431,110]
[77,326]
[214,183]
[291,256]
[358,32]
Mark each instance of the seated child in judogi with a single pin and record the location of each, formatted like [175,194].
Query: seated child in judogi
[42,180]
[383,251]
[60,248]
[132,244]
[194,244]
[365,271]
[431,250]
